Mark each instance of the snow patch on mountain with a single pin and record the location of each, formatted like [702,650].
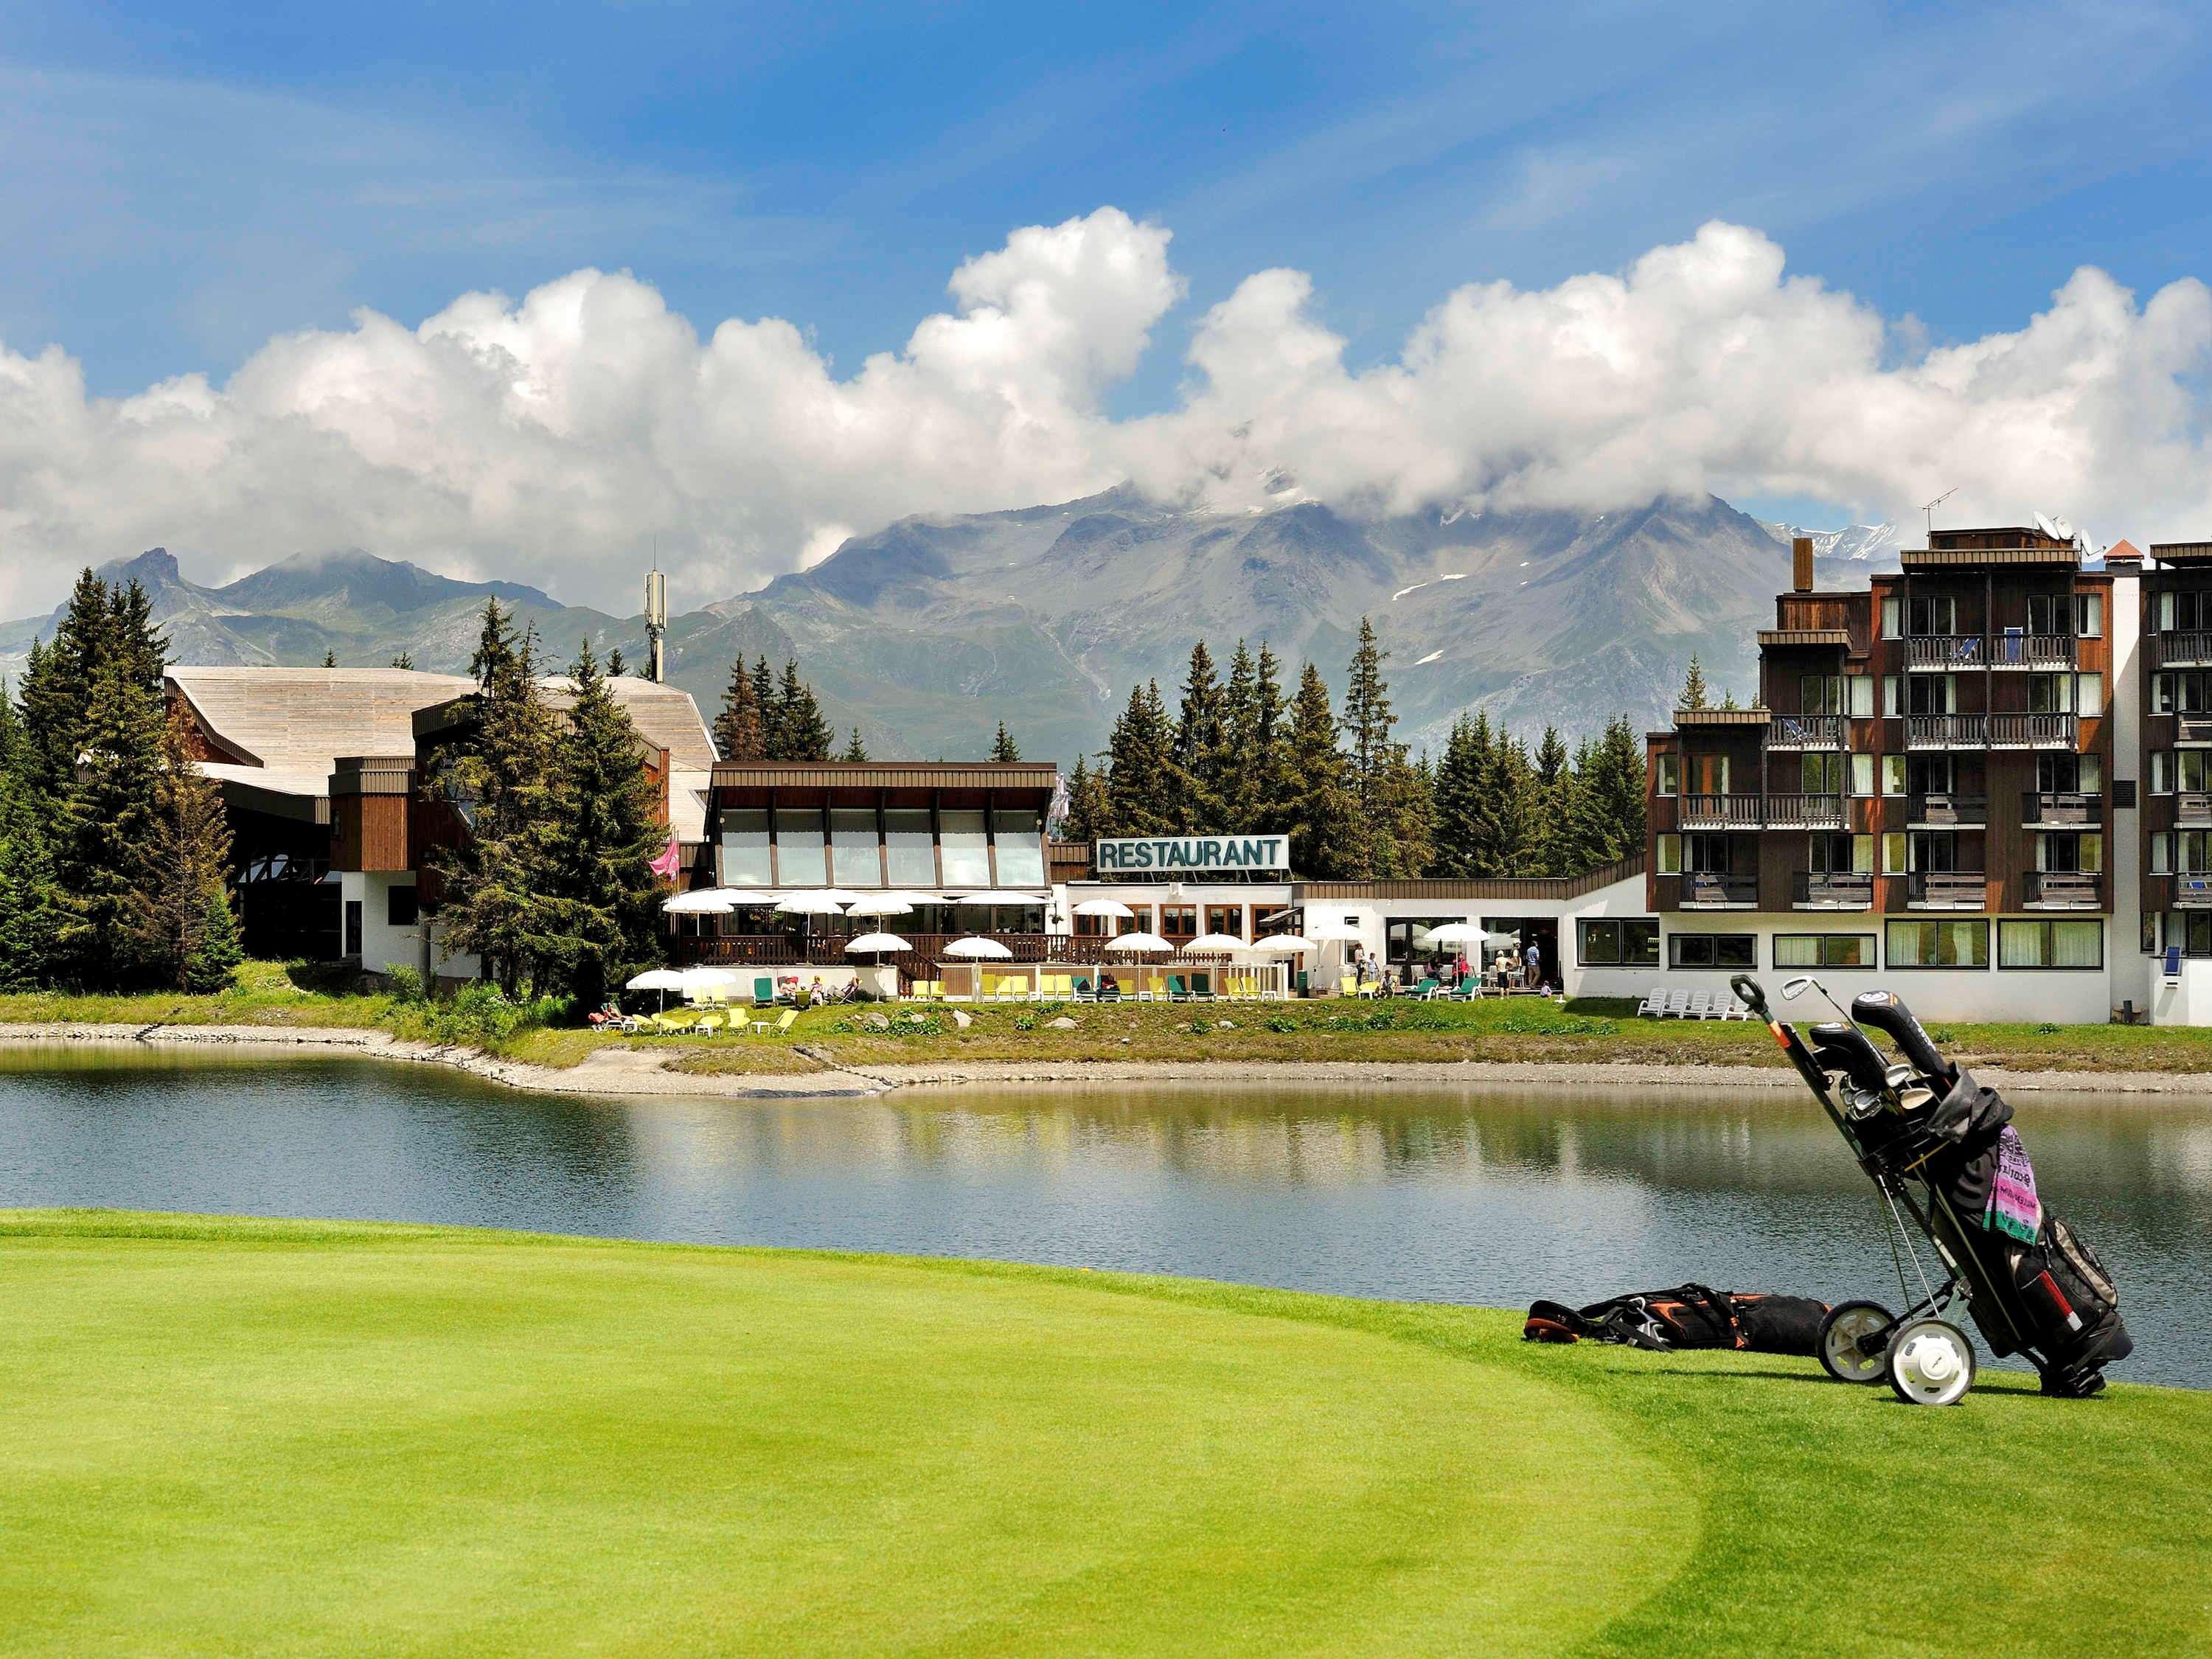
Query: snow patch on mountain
[1858,541]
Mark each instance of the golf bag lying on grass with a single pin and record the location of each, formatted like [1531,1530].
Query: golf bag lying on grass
[1941,1149]
[1688,1316]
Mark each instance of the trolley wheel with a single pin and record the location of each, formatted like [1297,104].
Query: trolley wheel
[1931,1363]
[1847,1326]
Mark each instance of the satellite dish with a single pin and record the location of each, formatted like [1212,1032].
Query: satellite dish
[2046,526]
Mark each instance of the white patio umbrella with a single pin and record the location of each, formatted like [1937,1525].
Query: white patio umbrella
[999,895]
[877,942]
[976,948]
[1138,942]
[1285,944]
[708,982]
[1332,933]
[880,905]
[663,980]
[707,902]
[1499,941]
[1455,932]
[826,902]
[1216,942]
[1104,907]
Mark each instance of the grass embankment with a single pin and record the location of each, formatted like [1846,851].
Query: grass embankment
[299,1438]
[1399,1030]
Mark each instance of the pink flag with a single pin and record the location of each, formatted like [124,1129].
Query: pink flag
[669,862]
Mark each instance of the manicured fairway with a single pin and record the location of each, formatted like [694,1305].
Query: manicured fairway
[225,1436]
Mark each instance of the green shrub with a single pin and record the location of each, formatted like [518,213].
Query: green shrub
[481,1016]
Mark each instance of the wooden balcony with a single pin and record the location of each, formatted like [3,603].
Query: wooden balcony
[1804,811]
[1805,731]
[1933,653]
[1947,890]
[1948,810]
[1946,731]
[2061,809]
[1702,891]
[2193,731]
[2185,648]
[2193,807]
[1719,811]
[1837,890]
[2023,651]
[2034,730]
[2192,890]
[2063,890]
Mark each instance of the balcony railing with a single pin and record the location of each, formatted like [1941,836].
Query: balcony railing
[2033,731]
[2185,648]
[1805,811]
[1946,731]
[1949,810]
[2071,808]
[1947,890]
[1702,891]
[2064,890]
[2193,807]
[1805,731]
[1943,652]
[1720,811]
[2192,729]
[2192,890]
[1837,890]
[2031,651]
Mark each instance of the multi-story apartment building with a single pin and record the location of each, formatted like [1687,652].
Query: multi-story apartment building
[1940,780]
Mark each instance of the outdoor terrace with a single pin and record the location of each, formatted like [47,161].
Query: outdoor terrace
[1947,890]
[2185,648]
[1805,731]
[1832,890]
[2061,809]
[1952,652]
[2063,890]
[2003,731]
[1949,810]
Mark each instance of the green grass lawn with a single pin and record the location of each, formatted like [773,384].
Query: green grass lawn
[1527,1029]
[230,1436]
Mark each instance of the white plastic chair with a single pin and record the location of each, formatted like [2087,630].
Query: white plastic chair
[1701,1005]
[1654,1004]
[1677,1006]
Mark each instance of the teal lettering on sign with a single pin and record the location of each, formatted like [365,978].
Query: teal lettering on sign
[1139,853]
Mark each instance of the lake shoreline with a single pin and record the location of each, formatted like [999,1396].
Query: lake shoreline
[634,1071]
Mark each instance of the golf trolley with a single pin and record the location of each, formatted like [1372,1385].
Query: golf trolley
[1938,1151]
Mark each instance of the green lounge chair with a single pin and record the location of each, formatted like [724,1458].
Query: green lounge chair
[1201,986]
[1085,991]
[1428,987]
[1177,993]
[763,989]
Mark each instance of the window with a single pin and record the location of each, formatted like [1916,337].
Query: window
[2149,933]
[1889,619]
[1830,853]
[1895,850]
[1821,775]
[1892,774]
[2089,615]
[1931,694]
[745,848]
[1225,919]
[2049,613]
[2069,849]
[1858,691]
[2049,693]
[2179,693]
[1939,945]
[2090,694]
[1094,926]
[1931,850]
[1178,922]
[1820,694]
[912,854]
[1892,701]
[1608,942]
[1713,949]
[801,856]
[858,854]
[399,907]
[1709,775]
[967,853]
[1669,851]
[1862,775]
[1019,839]
[2187,769]
[1705,855]
[1670,773]
[1824,951]
[1932,613]
[2192,930]
[2050,944]
[2067,774]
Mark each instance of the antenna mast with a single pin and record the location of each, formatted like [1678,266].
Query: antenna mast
[656,619]
[1930,508]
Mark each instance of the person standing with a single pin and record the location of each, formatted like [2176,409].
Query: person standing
[1535,965]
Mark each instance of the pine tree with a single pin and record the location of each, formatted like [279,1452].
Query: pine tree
[1513,781]
[190,936]
[56,689]
[1460,780]
[740,733]
[1728,700]
[1367,723]
[503,777]
[617,668]
[857,751]
[405,660]
[602,910]
[799,732]
[1243,780]
[1694,694]
[26,877]
[1140,776]
[1002,746]
[1275,805]
[1090,811]
[1615,785]
[1553,781]
[1406,803]
[1200,751]
[330,659]
[1322,826]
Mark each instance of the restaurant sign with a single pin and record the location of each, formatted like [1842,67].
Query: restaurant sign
[1195,854]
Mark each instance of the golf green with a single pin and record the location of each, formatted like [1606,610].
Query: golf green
[232,1436]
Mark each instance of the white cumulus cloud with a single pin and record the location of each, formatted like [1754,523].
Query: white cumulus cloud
[549,439]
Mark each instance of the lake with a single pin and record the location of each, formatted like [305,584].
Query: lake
[1431,1193]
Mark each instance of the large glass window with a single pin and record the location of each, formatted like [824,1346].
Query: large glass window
[1670,773]
[1713,949]
[912,855]
[967,851]
[857,854]
[1939,944]
[1619,942]
[1178,922]
[1824,951]
[2050,944]
[1020,839]
[744,847]
[1225,919]
[800,859]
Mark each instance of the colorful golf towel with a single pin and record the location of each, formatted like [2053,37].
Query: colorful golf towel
[2013,1208]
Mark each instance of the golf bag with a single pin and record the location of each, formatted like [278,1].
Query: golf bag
[1688,1316]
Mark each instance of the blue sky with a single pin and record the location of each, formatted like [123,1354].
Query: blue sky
[184,183]
[194,178]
